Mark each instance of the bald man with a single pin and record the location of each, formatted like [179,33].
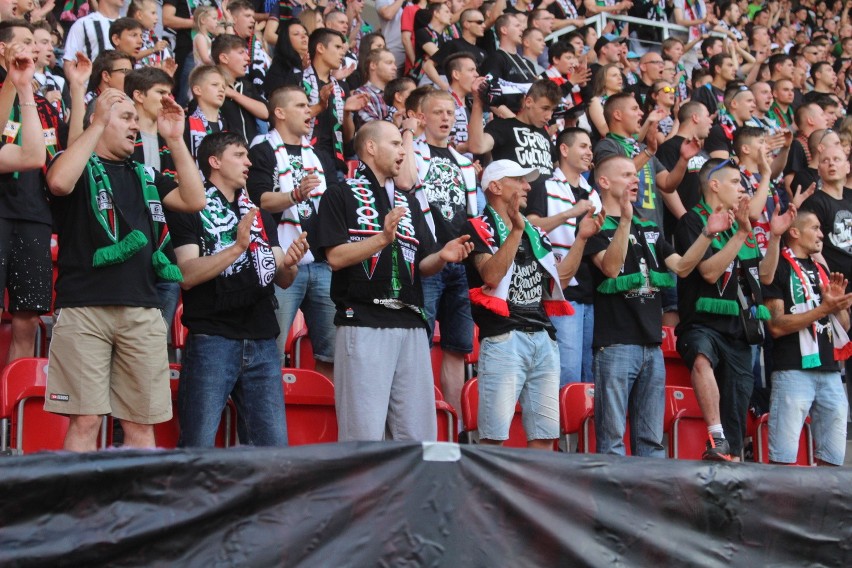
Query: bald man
[650,70]
[379,246]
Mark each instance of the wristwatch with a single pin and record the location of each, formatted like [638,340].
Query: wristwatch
[404,130]
[708,234]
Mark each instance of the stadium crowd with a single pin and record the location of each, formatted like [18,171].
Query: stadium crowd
[566,198]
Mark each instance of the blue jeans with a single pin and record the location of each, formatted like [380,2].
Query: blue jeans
[247,370]
[519,366]
[310,291]
[168,293]
[574,337]
[446,297]
[630,380]
[795,394]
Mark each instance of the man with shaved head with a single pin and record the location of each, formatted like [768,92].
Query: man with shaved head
[377,242]
[650,71]
[288,179]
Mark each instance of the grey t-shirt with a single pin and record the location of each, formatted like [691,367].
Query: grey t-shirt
[648,202]
[150,146]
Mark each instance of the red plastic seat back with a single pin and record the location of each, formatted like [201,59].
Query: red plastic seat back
[684,423]
[309,403]
[22,392]
[758,430]
[470,410]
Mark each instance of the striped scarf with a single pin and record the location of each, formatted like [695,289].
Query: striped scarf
[310,83]
[804,299]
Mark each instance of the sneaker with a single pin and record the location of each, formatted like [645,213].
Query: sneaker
[718,449]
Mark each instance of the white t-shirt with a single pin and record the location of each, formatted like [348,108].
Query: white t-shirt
[90,35]
[392,30]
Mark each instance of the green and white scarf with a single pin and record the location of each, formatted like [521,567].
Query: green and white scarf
[311,85]
[107,214]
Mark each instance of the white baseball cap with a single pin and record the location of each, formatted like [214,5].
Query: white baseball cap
[499,169]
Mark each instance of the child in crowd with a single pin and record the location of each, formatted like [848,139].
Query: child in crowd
[154,50]
[243,104]
[205,25]
[126,36]
[207,86]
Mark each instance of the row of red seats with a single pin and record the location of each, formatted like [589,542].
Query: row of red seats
[308,398]
[683,423]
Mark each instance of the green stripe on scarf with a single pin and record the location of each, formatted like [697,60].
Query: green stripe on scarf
[538,249]
[727,308]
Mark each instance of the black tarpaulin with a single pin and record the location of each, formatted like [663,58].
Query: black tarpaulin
[383,504]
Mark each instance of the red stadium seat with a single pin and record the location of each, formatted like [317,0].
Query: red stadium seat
[448,420]
[309,402]
[351,166]
[297,329]
[677,373]
[40,346]
[178,331]
[758,430]
[470,410]
[166,434]
[25,427]
[684,424]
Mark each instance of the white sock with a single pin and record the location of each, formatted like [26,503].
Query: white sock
[716,431]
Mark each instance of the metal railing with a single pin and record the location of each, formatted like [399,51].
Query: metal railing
[600,21]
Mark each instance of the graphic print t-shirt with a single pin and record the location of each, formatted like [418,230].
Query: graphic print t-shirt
[527,145]
[446,194]
[835,219]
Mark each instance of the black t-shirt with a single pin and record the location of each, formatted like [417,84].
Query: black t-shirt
[446,194]
[385,289]
[689,189]
[458,45]
[813,96]
[200,312]
[804,178]
[634,317]
[690,288]
[422,36]
[526,291]
[235,117]
[797,160]
[835,219]
[786,353]
[710,96]
[263,178]
[24,195]
[512,68]
[527,145]
[129,283]
[718,141]
[640,91]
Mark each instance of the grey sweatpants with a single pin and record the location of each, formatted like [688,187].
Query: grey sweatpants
[383,382]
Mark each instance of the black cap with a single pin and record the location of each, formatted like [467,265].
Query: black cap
[606,39]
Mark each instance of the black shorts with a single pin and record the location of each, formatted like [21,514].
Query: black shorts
[26,269]
[732,365]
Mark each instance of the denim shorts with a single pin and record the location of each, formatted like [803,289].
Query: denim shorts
[732,366]
[519,366]
[446,298]
[795,394]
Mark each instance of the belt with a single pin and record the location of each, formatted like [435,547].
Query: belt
[529,328]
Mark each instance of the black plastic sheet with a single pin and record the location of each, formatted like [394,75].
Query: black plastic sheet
[383,504]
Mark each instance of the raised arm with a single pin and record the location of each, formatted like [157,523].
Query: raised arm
[683,265]
[478,142]
[347,254]
[189,196]
[30,154]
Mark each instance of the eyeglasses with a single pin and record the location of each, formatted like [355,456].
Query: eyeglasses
[668,90]
[477,22]
[729,163]
[825,133]
[656,62]
[123,70]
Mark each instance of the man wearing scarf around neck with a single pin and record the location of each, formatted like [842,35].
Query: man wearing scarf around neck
[229,256]
[631,266]
[108,354]
[377,242]
[288,179]
[719,299]
[810,317]
[515,288]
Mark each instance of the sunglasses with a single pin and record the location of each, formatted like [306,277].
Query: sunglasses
[668,90]
[825,133]
[729,163]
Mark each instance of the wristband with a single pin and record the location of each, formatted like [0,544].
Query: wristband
[28,104]
[647,153]
[404,130]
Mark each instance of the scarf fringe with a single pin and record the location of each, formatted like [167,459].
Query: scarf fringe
[558,308]
[763,313]
[811,361]
[120,251]
[166,269]
[491,303]
[718,306]
[633,281]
